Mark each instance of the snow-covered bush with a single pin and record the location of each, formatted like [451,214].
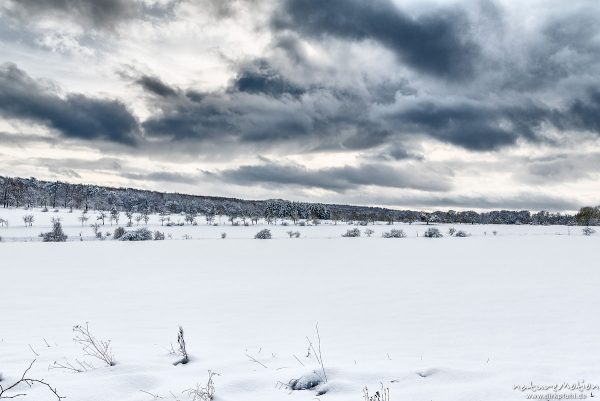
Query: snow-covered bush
[355,232]
[223,235]
[369,232]
[451,231]
[432,233]
[461,233]
[394,233]
[587,231]
[119,231]
[56,235]
[293,234]
[158,236]
[263,234]
[141,234]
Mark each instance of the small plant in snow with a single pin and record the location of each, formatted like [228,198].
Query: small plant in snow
[223,235]
[381,395]
[394,233]
[56,235]
[461,233]
[587,231]
[92,346]
[369,232]
[495,233]
[432,233]
[451,231]
[182,351]
[3,222]
[294,234]
[203,393]
[158,236]
[355,232]
[263,234]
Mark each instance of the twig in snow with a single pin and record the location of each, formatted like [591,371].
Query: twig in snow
[32,350]
[4,392]
[255,360]
[154,396]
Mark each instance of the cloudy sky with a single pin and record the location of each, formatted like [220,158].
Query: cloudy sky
[402,103]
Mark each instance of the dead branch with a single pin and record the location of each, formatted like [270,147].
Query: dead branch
[4,392]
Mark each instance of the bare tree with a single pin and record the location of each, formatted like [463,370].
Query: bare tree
[28,220]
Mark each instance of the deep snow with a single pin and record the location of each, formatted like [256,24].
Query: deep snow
[432,319]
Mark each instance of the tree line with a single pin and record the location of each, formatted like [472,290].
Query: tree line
[30,192]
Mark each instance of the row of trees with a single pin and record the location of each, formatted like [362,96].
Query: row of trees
[30,192]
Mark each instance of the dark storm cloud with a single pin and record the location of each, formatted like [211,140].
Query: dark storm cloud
[472,126]
[337,179]
[260,77]
[584,114]
[99,13]
[438,43]
[155,86]
[74,115]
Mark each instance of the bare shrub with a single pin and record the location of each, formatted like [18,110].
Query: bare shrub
[451,231]
[294,234]
[587,231]
[461,233]
[158,236]
[92,346]
[263,234]
[369,232]
[10,391]
[223,235]
[203,393]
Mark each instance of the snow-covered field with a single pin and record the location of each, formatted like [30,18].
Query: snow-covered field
[430,319]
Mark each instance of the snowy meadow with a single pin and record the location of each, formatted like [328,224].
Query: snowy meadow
[486,317]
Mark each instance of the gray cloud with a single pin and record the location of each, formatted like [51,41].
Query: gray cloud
[338,179]
[74,115]
[436,43]
[155,86]
[98,13]
[260,78]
